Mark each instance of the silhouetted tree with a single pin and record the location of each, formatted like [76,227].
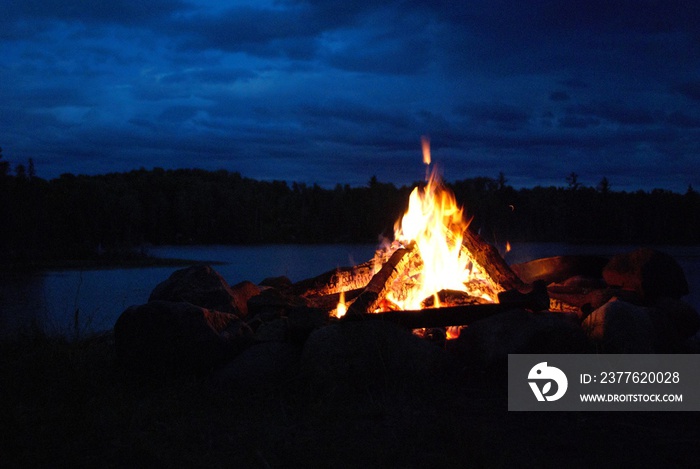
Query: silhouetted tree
[572,181]
[4,166]
[31,171]
[21,171]
[501,181]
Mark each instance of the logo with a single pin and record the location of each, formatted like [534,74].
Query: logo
[546,375]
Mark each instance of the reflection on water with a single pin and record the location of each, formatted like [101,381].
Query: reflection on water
[52,298]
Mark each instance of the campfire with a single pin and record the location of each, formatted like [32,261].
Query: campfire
[434,265]
[434,278]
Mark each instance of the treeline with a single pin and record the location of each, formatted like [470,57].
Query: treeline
[82,216]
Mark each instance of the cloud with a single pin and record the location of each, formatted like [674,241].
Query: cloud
[337,91]
[689,90]
[123,12]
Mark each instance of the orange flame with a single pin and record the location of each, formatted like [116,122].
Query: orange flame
[425,144]
[435,223]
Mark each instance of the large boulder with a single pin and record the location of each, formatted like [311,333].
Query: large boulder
[242,292]
[484,346]
[163,337]
[200,285]
[650,273]
[354,361]
[621,327]
[261,367]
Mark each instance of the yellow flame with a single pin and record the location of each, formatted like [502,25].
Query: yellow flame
[435,223]
[507,246]
[342,308]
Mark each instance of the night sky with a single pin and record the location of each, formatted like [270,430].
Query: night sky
[334,92]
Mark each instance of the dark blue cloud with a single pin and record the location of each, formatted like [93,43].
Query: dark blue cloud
[335,92]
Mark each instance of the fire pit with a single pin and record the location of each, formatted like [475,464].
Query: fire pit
[434,262]
[435,275]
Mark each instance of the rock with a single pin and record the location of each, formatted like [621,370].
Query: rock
[683,319]
[303,320]
[200,285]
[273,303]
[164,337]
[281,282]
[621,327]
[365,358]
[559,268]
[484,346]
[261,367]
[650,273]
[242,292]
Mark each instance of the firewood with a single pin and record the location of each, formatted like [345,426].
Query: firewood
[435,317]
[330,302]
[381,282]
[535,300]
[488,258]
[336,280]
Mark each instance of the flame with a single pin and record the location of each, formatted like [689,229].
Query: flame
[508,246]
[342,308]
[436,224]
[425,144]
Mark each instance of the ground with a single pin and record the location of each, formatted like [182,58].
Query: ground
[66,403]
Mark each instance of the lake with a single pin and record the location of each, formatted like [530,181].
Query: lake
[51,298]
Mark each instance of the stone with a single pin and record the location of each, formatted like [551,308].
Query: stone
[168,338]
[200,285]
[682,317]
[242,292]
[261,367]
[559,268]
[621,327]
[484,346]
[650,273]
[303,320]
[364,358]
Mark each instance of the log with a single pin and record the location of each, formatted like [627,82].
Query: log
[535,300]
[435,317]
[559,268]
[336,280]
[381,282]
[330,302]
[488,258]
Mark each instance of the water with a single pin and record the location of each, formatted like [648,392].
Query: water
[51,298]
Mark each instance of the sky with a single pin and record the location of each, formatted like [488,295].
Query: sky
[335,92]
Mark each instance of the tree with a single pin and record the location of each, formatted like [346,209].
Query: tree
[31,171]
[4,166]
[604,186]
[21,171]
[502,181]
[572,180]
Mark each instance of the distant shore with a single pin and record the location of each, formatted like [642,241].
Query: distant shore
[96,263]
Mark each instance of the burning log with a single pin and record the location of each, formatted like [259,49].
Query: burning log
[491,261]
[381,282]
[435,317]
[463,315]
[336,280]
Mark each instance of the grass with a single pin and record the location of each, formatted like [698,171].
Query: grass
[68,403]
